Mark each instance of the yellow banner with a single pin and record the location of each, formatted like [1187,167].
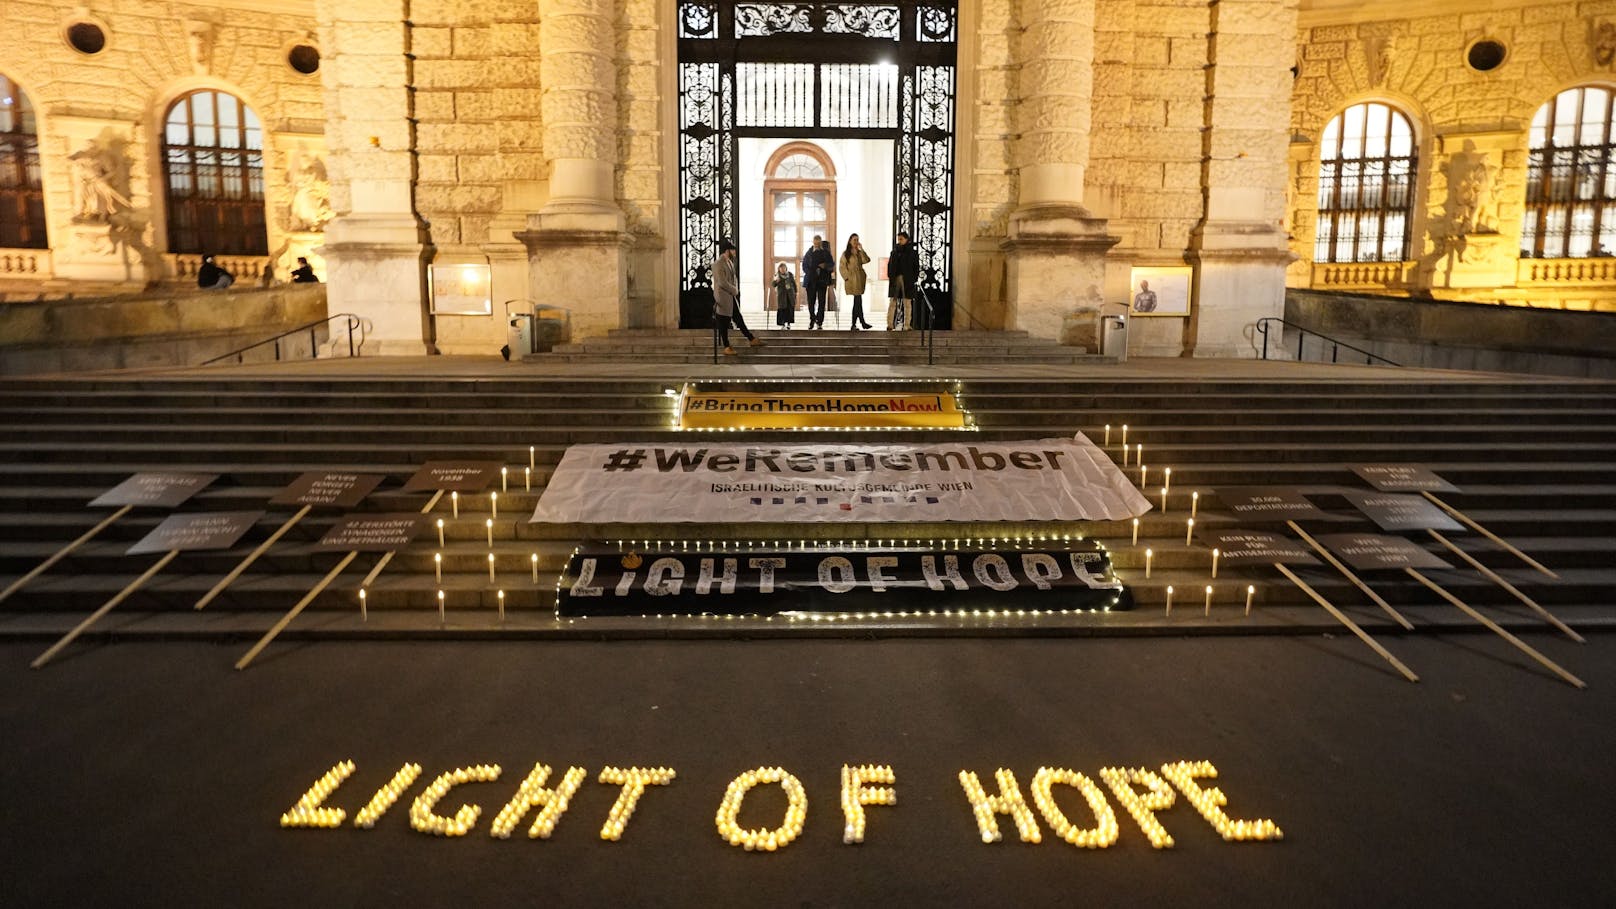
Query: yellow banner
[745,410]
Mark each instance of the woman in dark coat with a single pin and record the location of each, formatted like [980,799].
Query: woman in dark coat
[785,296]
[903,275]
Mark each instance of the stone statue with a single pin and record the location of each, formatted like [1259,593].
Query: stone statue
[96,168]
[1470,182]
[199,36]
[310,208]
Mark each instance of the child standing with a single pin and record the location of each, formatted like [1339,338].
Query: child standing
[785,296]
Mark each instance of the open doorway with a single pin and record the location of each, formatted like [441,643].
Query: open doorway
[793,189]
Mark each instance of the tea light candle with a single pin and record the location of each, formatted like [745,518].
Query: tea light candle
[1149,554]
[1189,530]
[437,565]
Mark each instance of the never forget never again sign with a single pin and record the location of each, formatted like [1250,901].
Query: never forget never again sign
[1035,480]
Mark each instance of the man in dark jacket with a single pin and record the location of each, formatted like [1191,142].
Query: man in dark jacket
[211,276]
[818,274]
[903,275]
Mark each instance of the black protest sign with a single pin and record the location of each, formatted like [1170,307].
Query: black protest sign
[1391,511]
[1257,547]
[453,476]
[1402,478]
[602,580]
[206,530]
[337,490]
[157,490]
[1374,551]
[1269,503]
[372,533]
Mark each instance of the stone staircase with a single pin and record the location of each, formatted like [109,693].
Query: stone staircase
[1534,461]
[818,348]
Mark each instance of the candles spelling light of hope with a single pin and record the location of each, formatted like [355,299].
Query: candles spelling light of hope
[490,567]
[527,478]
[535,560]
[1195,502]
[440,531]
[1167,478]
[504,480]
[454,501]
[363,617]
[1209,600]
[1214,564]
[437,565]
[493,504]
[1189,530]
[1164,499]
[502,605]
[1136,531]
[489,523]
[441,615]
[1250,590]
[1149,554]
[1169,599]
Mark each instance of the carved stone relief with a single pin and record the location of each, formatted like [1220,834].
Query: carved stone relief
[310,186]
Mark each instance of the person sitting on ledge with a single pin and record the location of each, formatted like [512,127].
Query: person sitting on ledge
[211,277]
[304,272]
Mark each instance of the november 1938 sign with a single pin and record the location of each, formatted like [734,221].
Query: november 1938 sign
[602,579]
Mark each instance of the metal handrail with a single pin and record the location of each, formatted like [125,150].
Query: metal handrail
[1302,334]
[314,345]
[928,332]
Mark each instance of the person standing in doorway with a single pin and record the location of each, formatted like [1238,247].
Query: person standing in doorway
[854,278]
[727,297]
[903,275]
[818,274]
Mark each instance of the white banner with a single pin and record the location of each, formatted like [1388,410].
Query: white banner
[1036,480]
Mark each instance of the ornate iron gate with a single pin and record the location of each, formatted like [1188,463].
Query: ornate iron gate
[831,69]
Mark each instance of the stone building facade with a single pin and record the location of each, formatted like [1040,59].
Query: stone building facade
[542,139]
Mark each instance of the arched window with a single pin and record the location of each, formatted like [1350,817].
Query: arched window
[799,202]
[1367,163]
[22,199]
[1570,180]
[214,176]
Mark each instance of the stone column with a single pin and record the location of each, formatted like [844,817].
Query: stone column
[577,248]
[1055,243]
[376,248]
[1240,249]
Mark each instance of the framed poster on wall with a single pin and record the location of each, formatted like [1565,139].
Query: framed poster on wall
[1160,291]
[461,290]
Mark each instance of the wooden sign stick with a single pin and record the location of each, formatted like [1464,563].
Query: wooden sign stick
[1342,618]
[230,578]
[1492,626]
[1339,566]
[1489,534]
[1494,577]
[122,595]
[388,556]
[287,619]
[45,566]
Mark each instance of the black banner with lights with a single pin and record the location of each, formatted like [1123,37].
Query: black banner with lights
[604,579]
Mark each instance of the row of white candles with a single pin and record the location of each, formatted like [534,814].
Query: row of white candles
[437,566]
[1251,591]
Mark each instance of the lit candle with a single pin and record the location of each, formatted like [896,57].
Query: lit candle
[1167,477]
[1169,599]
[527,478]
[442,616]
[1136,531]
[1214,564]
[1164,499]
[504,480]
[493,504]
[535,560]
[363,616]
[1125,439]
[1108,435]
[1139,453]
[437,565]
[489,523]
[440,533]
[1209,599]
[530,456]
[490,568]
[502,605]
[1250,590]
[1189,530]
[1195,502]
[1149,554]
[454,501]
[1126,452]
[1143,474]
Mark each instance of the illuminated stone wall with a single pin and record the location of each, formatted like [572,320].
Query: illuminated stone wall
[1463,119]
